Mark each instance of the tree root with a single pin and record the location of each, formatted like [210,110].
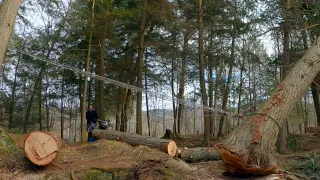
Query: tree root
[236,165]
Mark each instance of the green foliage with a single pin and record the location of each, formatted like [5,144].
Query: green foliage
[6,143]
[98,175]
[310,166]
[293,142]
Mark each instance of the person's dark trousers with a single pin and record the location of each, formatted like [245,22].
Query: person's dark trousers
[90,128]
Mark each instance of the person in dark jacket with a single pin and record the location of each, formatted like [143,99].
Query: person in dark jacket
[92,117]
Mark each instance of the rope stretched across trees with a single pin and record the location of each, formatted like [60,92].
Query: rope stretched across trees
[124,85]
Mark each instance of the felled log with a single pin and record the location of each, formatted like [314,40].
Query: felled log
[199,154]
[164,145]
[41,148]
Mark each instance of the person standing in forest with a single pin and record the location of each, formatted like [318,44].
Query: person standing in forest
[92,117]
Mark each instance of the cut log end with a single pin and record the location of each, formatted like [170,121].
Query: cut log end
[40,148]
[172,148]
[236,165]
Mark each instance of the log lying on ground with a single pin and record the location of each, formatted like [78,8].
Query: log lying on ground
[199,154]
[164,145]
[40,148]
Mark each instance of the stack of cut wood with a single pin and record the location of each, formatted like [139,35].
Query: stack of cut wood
[165,145]
[41,148]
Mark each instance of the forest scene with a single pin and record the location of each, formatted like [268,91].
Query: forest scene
[159,89]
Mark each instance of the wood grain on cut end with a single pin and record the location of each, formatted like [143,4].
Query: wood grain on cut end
[172,148]
[40,148]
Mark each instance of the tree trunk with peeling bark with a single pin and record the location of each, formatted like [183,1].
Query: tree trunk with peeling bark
[250,148]
[8,13]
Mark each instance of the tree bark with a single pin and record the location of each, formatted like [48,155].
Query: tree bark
[101,72]
[282,139]
[40,106]
[47,104]
[85,86]
[33,94]
[182,79]
[210,81]
[61,107]
[199,154]
[13,95]
[173,98]
[140,69]
[206,137]
[250,148]
[166,146]
[8,12]
[227,88]
[241,81]
[316,100]
[146,88]
[314,89]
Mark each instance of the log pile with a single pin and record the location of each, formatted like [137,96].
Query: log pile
[41,148]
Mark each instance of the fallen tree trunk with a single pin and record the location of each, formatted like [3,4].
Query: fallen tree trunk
[166,146]
[41,148]
[199,154]
[250,148]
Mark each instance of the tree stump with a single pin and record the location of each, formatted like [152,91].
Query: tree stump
[168,134]
[40,148]
[199,154]
[164,145]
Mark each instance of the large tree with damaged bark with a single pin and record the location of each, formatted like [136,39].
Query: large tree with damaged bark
[250,148]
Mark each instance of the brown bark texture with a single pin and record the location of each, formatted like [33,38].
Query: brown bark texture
[140,68]
[199,154]
[250,148]
[204,99]
[8,12]
[164,145]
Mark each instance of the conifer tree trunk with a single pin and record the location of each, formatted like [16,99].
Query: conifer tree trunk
[13,95]
[241,82]
[210,81]
[182,80]
[227,87]
[40,106]
[85,86]
[61,107]
[173,99]
[314,86]
[101,72]
[146,88]
[8,13]
[316,100]
[282,139]
[47,105]
[250,148]
[206,138]
[140,68]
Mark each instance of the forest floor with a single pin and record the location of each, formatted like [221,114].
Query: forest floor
[105,159]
